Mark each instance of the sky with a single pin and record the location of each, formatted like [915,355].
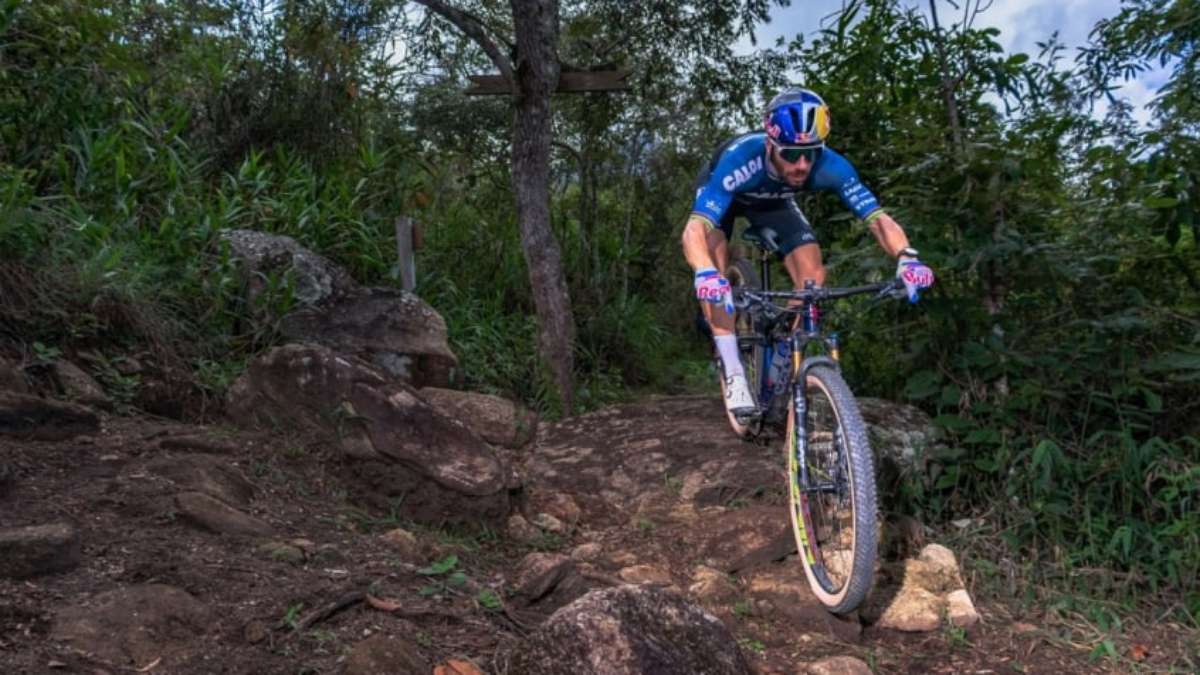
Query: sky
[1022,24]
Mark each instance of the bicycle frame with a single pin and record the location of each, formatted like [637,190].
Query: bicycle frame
[805,333]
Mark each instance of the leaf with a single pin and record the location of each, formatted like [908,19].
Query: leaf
[1173,361]
[953,422]
[382,604]
[1139,652]
[457,667]
[922,384]
[488,599]
[1160,202]
[457,579]
[440,567]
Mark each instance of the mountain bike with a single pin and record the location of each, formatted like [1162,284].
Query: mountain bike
[829,464]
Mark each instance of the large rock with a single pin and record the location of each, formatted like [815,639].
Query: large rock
[498,420]
[26,416]
[316,278]
[394,329]
[77,385]
[901,434]
[205,474]
[214,515]
[382,653]
[38,549]
[913,595]
[630,630]
[546,582]
[132,628]
[403,453]
[743,538]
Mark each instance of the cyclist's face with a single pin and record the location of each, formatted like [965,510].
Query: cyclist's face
[794,173]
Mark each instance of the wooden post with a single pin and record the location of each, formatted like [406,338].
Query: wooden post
[405,261]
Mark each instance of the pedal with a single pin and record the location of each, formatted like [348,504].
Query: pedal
[750,416]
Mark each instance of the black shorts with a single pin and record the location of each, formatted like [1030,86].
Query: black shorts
[780,215]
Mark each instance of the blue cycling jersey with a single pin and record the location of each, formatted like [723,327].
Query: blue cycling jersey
[741,174]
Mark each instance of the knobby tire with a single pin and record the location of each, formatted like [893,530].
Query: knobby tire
[847,475]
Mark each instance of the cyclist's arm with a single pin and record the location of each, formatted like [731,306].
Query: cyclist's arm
[695,243]
[836,174]
[712,200]
[887,232]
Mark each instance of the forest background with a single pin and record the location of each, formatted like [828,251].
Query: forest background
[1059,353]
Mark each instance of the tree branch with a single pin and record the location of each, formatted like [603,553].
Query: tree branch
[474,28]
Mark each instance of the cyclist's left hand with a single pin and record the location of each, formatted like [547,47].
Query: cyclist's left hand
[915,276]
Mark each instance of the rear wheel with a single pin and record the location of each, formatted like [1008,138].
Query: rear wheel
[741,274]
[832,492]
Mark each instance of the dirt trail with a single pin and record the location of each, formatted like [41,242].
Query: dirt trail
[652,492]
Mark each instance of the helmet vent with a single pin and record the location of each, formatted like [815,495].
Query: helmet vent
[796,128]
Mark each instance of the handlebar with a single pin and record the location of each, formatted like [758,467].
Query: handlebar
[743,298]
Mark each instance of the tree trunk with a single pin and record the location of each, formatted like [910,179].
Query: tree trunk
[536,71]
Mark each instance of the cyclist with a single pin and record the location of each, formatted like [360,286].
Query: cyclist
[757,176]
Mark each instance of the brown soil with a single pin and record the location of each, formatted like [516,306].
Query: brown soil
[132,535]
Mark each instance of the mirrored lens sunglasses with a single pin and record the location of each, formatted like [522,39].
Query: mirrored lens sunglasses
[792,154]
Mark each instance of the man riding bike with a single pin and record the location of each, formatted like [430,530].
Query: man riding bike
[757,176]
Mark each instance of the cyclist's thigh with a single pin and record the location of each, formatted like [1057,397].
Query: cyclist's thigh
[788,222]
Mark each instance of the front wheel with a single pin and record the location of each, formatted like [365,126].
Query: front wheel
[831,484]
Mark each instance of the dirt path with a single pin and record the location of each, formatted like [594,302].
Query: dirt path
[312,584]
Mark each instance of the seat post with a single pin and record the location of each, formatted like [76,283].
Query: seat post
[764,257]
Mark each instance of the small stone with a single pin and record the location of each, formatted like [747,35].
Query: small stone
[941,556]
[403,541]
[645,575]
[254,632]
[549,523]
[913,610]
[586,552]
[282,552]
[839,665]
[710,584]
[521,530]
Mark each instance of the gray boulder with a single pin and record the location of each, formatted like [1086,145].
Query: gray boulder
[498,420]
[398,448]
[630,630]
[394,329]
[25,416]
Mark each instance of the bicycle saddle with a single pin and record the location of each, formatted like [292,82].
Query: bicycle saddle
[763,237]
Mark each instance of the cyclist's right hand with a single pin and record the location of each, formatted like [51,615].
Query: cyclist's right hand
[714,288]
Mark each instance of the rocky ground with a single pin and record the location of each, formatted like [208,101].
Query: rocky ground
[204,549]
[351,514]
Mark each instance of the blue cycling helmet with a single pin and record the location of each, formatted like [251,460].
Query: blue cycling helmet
[797,116]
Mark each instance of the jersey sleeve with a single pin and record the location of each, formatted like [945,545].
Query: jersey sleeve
[834,173]
[712,198]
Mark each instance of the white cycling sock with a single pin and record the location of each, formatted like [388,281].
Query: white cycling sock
[727,347]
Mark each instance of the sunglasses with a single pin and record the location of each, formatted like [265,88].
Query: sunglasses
[792,154]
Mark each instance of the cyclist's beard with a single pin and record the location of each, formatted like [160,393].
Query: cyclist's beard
[795,175]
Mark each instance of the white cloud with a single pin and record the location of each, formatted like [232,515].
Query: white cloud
[1022,24]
